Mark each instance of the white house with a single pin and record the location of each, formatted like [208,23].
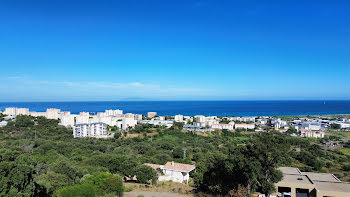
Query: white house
[3,123]
[172,171]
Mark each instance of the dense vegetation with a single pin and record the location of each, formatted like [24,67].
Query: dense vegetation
[40,158]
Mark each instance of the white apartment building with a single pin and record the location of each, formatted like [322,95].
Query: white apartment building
[179,118]
[311,133]
[200,119]
[244,119]
[129,115]
[314,126]
[223,126]
[53,113]
[98,129]
[138,116]
[278,123]
[127,123]
[37,114]
[151,114]
[167,123]
[13,111]
[83,113]
[111,112]
[67,120]
[82,118]
[161,118]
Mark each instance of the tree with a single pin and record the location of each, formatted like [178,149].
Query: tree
[335,126]
[145,173]
[17,174]
[117,135]
[104,183]
[52,181]
[84,190]
[291,130]
[253,166]
[270,151]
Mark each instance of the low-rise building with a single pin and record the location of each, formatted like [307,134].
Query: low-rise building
[314,126]
[297,183]
[310,133]
[3,123]
[229,126]
[244,126]
[244,119]
[172,171]
[167,123]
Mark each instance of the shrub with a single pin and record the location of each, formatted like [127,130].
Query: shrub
[145,173]
[84,190]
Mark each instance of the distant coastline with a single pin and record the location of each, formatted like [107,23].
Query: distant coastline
[190,108]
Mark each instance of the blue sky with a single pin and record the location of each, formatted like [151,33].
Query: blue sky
[174,50]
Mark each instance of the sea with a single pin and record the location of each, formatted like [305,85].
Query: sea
[191,108]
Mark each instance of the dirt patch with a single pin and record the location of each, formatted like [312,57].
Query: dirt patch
[161,187]
[153,194]
[133,135]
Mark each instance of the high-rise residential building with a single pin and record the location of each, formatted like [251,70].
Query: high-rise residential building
[53,113]
[97,129]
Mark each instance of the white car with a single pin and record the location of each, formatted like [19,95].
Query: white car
[286,194]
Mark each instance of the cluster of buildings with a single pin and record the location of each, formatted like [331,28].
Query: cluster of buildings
[92,125]
[85,124]
[202,123]
[304,127]
[95,125]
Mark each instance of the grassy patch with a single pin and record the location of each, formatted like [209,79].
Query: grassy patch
[344,151]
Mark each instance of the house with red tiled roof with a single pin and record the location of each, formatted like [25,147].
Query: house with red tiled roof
[172,171]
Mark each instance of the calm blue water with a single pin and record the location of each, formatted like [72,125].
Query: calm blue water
[224,108]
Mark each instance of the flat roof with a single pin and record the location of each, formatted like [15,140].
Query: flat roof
[295,178]
[289,170]
[322,177]
[333,186]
